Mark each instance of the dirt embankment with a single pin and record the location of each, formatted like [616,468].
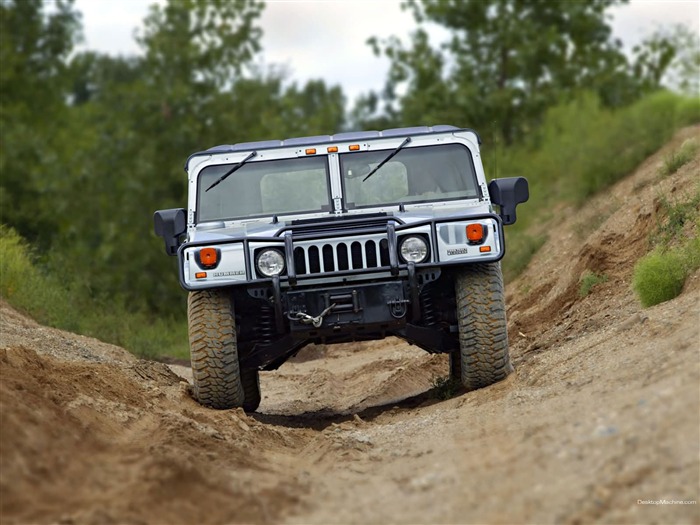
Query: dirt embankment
[603,411]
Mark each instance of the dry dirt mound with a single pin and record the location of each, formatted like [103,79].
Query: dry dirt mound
[117,440]
[601,413]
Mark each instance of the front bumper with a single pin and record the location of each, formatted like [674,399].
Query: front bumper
[237,268]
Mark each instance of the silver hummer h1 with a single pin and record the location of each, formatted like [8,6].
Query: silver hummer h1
[349,237]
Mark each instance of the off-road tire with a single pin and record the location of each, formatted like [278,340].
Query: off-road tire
[213,350]
[481,317]
[251,390]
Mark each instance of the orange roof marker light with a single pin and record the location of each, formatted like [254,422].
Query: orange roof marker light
[475,232]
[354,147]
[332,149]
[311,151]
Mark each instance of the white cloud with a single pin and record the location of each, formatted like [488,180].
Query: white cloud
[640,18]
[327,39]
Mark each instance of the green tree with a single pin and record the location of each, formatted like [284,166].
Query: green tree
[34,45]
[93,144]
[505,62]
[194,87]
[670,57]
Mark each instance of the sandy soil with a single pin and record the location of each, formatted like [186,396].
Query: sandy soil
[603,411]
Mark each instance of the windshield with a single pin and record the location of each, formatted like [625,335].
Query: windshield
[418,174]
[264,188]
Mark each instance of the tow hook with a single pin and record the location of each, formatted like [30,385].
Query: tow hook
[305,318]
[397,307]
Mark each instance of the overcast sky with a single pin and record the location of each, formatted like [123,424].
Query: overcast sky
[327,38]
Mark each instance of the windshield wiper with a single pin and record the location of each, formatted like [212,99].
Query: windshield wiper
[234,169]
[391,156]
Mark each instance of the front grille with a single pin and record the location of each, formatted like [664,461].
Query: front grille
[339,255]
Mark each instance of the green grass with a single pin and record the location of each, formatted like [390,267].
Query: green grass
[675,217]
[659,277]
[589,281]
[680,157]
[63,304]
[520,248]
[445,388]
[580,149]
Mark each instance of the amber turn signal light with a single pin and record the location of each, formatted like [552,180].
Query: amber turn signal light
[208,257]
[200,275]
[475,232]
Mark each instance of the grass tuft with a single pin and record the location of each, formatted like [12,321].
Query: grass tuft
[675,217]
[445,388]
[589,281]
[679,158]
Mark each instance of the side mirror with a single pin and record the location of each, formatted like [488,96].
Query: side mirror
[170,224]
[507,194]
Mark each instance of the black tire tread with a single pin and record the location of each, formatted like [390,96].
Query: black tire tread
[481,317]
[213,350]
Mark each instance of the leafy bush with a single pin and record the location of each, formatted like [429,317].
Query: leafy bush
[659,276]
[579,149]
[65,305]
[23,285]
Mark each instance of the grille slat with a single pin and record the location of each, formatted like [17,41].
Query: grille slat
[338,255]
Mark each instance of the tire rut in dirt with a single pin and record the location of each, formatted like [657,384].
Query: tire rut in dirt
[213,350]
[483,337]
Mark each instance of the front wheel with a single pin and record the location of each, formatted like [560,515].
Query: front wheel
[483,357]
[213,350]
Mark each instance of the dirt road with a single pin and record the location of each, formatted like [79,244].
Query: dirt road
[602,412]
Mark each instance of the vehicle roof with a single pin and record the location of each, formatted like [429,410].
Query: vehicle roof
[323,139]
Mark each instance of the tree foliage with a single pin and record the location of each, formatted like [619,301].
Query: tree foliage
[506,62]
[34,47]
[93,144]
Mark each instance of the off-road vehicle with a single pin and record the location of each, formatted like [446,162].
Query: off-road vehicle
[349,237]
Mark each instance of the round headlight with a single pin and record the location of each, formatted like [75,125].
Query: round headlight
[270,262]
[414,249]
